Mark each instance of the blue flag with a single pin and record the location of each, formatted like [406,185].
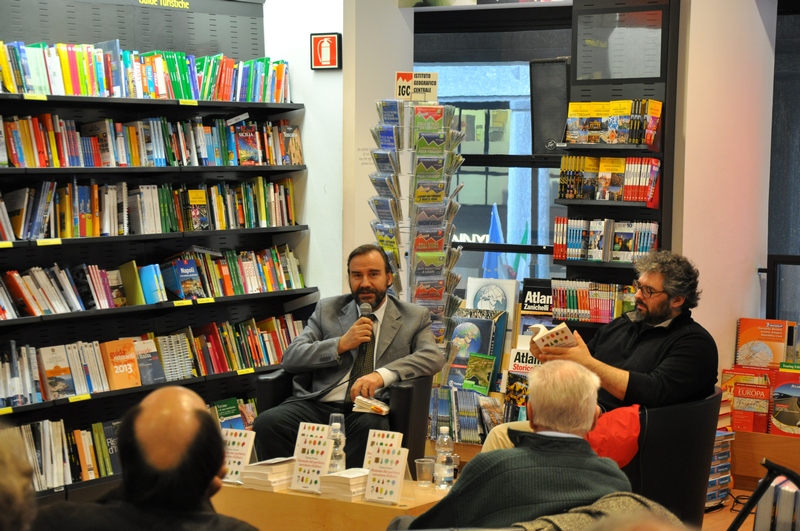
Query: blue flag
[491,260]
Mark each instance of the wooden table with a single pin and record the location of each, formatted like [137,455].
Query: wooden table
[289,509]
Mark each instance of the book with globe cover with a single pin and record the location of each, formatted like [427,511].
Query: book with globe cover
[495,294]
[482,332]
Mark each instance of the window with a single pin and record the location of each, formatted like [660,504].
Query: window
[508,195]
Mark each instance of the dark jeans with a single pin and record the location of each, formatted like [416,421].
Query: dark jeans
[276,429]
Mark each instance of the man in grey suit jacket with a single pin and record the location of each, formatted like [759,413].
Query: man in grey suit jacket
[322,359]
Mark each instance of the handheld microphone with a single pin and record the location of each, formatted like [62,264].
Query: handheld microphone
[365,308]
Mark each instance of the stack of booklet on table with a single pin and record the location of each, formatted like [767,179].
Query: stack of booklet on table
[347,485]
[270,475]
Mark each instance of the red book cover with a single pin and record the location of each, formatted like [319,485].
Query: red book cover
[218,358]
[786,408]
[750,408]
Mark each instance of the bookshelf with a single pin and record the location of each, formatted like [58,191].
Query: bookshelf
[593,79]
[111,251]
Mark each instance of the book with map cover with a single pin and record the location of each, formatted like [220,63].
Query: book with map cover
[479,373]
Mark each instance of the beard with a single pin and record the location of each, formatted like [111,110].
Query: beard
[379,295]
[655,314]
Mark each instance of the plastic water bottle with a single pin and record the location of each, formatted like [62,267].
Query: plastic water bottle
[337,455]
[443,469]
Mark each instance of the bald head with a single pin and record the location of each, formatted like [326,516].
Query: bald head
[171,451]
[167,425]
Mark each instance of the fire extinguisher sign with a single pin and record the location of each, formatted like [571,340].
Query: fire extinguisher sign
[326,51]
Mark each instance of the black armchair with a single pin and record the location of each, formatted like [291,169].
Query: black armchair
[409,402]
[674,457]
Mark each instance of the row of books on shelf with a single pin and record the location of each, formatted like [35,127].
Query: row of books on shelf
[608,178]
[61,457]
[49,141]
[91,210]
[104,69]
[202,273]
[590,302]
[34,375]
[613,122]
[603,240]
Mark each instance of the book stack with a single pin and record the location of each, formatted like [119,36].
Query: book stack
[106,70]
[346,485]
[719,478]
[777,507]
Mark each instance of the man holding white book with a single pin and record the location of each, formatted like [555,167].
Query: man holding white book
[654,356]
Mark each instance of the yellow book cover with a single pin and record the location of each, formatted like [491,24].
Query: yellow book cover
[119,358]
[130,282]
[80,60]
[619,122]
[5,70]
[610,179]
[133,145]
[261,206]
[31,155]
[63,58]
[597,122]
[577,122]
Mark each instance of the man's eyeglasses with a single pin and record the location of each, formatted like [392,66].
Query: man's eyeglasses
[647,291]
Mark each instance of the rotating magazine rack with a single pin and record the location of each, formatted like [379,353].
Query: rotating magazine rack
[415,160]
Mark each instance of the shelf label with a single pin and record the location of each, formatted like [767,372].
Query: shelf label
[182,303]
[5,410]
[205,300]
[193,103]
[79,398]
[6,245]
[36,97]
[249,370]
[48,241]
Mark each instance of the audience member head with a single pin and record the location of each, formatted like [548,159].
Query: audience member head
[562,397]
[171,451]
[17,505]
[369,274]
[680,276]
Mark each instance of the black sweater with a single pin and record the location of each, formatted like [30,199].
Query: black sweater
[667,365]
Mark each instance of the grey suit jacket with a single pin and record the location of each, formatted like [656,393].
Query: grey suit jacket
[406,345]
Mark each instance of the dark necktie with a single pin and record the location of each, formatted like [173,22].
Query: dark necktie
[365,360]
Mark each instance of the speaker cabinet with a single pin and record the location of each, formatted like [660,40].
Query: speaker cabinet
[549,100]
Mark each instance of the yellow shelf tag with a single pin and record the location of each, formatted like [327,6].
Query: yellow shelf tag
[249,370]
[79,398]
[205,300]
[182,303]
[37,97]
[6,245]
[193,103]
[48,241]
[5,410]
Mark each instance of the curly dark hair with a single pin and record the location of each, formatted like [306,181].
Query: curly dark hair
[680,275]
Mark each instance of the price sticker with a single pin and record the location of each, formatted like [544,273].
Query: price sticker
[79,398]
[248,370]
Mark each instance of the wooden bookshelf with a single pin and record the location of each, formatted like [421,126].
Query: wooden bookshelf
[749,448]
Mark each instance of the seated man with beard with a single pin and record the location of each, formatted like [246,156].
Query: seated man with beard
[354,344]
[654,356]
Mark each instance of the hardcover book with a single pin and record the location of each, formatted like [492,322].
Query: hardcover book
[292,144]
[479,373]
